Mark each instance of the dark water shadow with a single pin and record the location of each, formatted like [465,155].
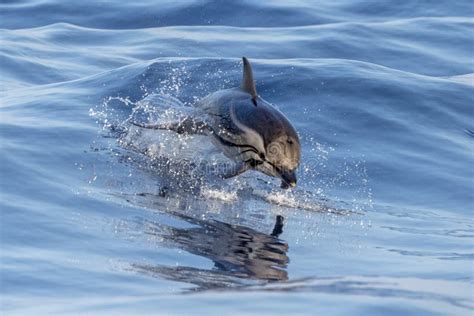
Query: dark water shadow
[241,255]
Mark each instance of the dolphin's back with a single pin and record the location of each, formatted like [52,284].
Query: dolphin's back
[225,106]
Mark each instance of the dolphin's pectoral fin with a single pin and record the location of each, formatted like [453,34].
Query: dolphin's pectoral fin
[241,167]
[186,126]
[235,170]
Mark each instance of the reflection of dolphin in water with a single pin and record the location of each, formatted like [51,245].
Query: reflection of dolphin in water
[238,252]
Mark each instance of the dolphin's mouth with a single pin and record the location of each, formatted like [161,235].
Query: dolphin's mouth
[288,180]
[286,185]
[288,177]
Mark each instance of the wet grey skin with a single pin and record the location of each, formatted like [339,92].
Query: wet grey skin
[252,132]
[248,130]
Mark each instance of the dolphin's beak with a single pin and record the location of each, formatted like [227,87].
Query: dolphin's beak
[289,179]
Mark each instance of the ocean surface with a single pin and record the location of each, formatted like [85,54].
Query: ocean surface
[99,216]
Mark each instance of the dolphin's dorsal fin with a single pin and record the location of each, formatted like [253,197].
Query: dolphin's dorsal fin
[248,84]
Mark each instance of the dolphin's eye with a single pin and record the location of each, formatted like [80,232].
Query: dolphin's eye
[289,141]
[262,156]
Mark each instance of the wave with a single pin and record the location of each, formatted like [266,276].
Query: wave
[406,45]
[142,14]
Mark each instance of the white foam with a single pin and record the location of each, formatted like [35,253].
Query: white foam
[220,195]
[287,199]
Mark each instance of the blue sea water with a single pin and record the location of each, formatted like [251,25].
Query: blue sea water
[381,93]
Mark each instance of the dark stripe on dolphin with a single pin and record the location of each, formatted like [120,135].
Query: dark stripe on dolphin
[230,144]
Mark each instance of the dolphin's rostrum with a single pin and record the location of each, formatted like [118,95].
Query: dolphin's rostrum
[248,130]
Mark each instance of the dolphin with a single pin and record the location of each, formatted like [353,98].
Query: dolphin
[248,130]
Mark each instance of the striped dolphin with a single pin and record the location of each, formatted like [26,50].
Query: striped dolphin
[248,130]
